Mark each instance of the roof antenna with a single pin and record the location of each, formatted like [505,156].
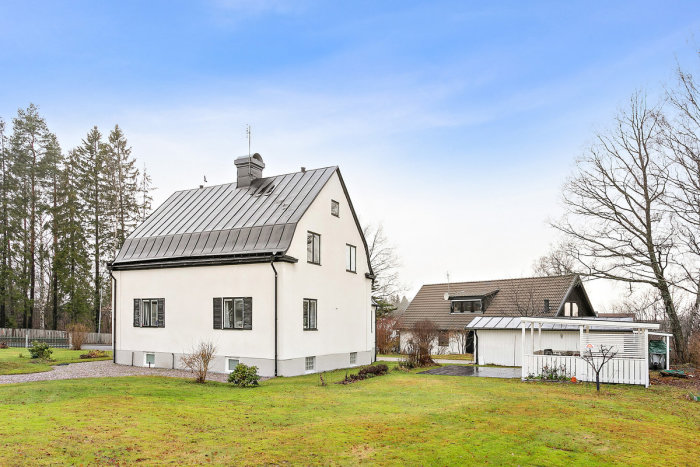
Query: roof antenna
[248,133]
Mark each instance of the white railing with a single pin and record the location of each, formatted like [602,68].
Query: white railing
[617,370]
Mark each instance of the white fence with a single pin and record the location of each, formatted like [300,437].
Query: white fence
[618,370]
[24,337]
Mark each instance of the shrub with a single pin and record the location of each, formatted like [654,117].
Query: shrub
[373,370]
[78,334]
[40,350]
[94,354]
[420,344]
[244,376]
[198,361]
[3,345]
[366,372]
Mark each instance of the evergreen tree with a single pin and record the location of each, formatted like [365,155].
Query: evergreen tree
[71,261]
[145,198]
[28,145]
[52,170]
[96,193]
[125,183]
[4,228]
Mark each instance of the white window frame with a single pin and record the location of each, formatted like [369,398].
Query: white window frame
[152,313]
[310,364]
[238,321]
[471,300]
[350,258]
[228,364]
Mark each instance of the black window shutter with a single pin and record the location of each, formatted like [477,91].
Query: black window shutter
[248,313]
[137,312]
[161,312]
[218,322]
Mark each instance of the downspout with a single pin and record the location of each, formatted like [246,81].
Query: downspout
[114,317]
[275,270]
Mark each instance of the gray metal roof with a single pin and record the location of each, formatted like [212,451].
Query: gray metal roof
[511,322]
[225,220]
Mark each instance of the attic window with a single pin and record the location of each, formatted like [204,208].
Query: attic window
[335,208]
[570,309]
[466,306]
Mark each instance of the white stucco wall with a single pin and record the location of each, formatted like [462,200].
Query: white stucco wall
[344,298]
[454,346]
[344,303]
[503,347]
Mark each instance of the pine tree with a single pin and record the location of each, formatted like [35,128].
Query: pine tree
[125,180]
[71,257]
[52,170]
[145,198]
[4,227]
[96,193]
[28,146]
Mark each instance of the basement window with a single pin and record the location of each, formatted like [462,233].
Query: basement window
[149,360]
[310,363]
[353,358]
[231,364]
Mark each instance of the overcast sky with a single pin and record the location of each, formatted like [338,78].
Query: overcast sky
[454,123]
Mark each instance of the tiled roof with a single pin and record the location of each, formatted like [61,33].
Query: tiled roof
[225,220]
[510,298]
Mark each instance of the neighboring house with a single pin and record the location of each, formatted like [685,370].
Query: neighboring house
[273,271]
[454,307]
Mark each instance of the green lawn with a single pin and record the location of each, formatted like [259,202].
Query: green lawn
[15,361]
[399,419]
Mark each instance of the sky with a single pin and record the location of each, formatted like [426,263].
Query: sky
[455,124]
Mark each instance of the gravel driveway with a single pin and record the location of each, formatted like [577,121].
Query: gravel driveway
[101,369]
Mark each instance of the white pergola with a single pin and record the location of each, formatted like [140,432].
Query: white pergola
[629,338]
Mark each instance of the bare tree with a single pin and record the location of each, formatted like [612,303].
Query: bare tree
[199,360]
[616,215]
[522,298]
[385,263]
[598,360]
[387,340]
[558,262]
[682,137]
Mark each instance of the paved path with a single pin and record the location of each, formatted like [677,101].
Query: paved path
[442,361]
[100,369]
[483,371]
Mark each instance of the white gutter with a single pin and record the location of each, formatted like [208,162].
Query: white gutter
[590,322]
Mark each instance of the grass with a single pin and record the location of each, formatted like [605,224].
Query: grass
[15,361]
[398,419]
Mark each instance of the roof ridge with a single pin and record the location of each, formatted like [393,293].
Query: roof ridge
[501,280]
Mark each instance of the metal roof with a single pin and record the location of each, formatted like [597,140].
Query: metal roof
[225,220]
[567,324]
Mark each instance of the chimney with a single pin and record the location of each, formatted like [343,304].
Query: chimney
[249,169]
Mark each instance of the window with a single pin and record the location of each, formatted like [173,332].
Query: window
[335,208]
[444,339]
[149,312]
[350,258]
[466,306]
[233,313]
[310,314]
[313,248]
[231,364]
[570,309]
[150,360]
[353,358]
[310,363]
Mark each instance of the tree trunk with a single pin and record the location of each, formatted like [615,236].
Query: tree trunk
[597,381]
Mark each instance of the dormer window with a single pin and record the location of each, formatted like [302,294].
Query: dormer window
[466,306]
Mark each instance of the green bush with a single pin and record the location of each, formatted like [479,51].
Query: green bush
[40,350]
[244,376]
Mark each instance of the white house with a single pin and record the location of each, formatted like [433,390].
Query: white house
[274,271]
